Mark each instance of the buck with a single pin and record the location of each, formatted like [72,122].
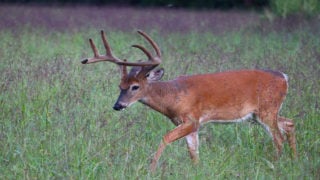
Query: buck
[191,101]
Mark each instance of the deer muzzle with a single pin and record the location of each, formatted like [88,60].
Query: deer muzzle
[118,106]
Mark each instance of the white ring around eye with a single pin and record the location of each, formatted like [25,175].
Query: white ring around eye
[135,87]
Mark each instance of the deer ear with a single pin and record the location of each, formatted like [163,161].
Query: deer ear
[155,75]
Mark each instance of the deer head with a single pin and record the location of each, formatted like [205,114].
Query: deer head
[133,85]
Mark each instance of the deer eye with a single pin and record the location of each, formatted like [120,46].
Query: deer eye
[135,87]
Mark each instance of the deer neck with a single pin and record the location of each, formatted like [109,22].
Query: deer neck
[162,97]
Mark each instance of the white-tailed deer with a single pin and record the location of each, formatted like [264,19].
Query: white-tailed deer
[190,101]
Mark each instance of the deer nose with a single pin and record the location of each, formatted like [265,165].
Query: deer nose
[118,107]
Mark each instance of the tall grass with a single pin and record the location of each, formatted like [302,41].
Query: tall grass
[57,121]
[289,7]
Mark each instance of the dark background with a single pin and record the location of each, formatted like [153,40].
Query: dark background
[203,4]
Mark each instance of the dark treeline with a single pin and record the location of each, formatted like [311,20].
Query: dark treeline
[221,4]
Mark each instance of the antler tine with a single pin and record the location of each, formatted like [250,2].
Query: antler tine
[97,57]
[106,44]
[96,54]
[153,60]
[148,54]
[94,48]
[153,44]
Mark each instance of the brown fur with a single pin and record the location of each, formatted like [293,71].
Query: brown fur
[190,101]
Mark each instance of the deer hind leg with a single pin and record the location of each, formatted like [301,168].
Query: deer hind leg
[269,122]
[193,145]
[287,127]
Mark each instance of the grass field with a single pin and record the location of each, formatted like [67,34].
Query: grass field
[56,115]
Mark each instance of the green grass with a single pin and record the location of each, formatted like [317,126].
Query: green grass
[57,121]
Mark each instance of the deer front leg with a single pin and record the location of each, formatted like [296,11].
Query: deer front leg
[193,145]
[177,133]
